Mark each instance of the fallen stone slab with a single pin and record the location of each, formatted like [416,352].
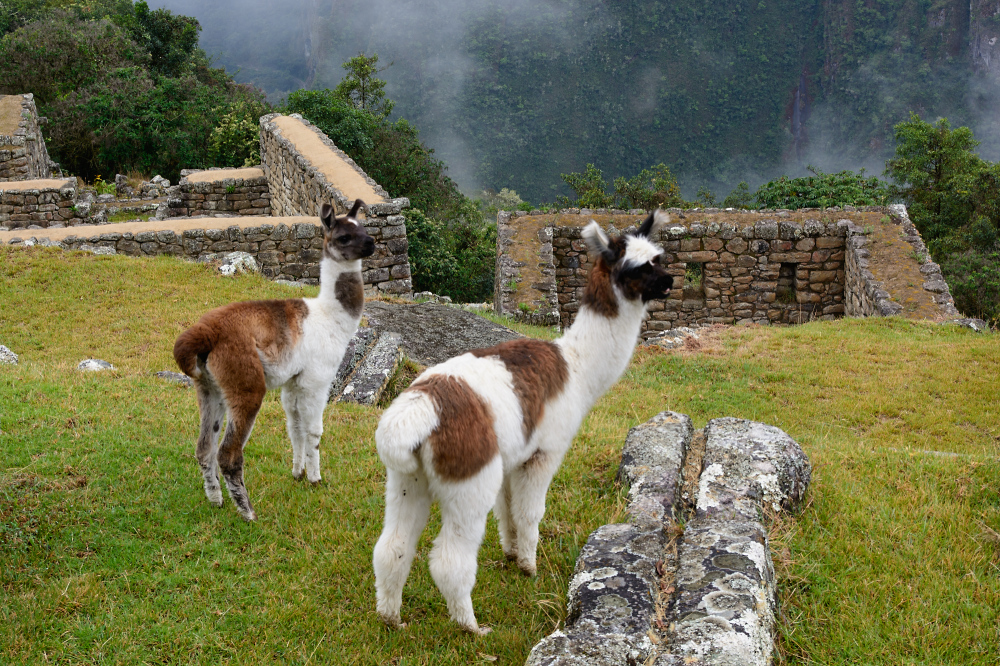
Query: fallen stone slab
[357,348]
[434,333]
[367,384]
[7,356]
[746,465]
[611,602]
[94,365]
[977,325]
[613,595]
[725,609]
[651,465]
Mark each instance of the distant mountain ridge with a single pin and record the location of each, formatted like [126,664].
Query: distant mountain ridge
[513,94]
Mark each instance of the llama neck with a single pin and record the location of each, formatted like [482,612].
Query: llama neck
[329,272]
[599,348]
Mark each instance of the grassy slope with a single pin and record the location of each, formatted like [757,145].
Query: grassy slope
[109,552]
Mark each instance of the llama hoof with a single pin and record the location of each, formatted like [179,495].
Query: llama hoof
[215,498]
[393,621]
[316,482]
[477,630]
[298,476]
[528,569]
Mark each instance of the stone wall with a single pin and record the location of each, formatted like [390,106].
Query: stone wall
[300,180]
[219,192]
[23,155]
[39,203]
[729,267]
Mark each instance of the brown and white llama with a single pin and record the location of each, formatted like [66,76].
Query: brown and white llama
[237,352]
[488,429]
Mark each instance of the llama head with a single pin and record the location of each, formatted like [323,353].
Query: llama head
[625,266]
[345,238]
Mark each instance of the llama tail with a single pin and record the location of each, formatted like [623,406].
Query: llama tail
[404,426]
[191,346]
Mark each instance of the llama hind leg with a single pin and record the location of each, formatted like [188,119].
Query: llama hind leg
[243,385]
[505,523]
[407,505]
[212,409]
[464,508]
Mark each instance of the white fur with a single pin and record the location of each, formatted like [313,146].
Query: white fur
[306,375]
[597,351]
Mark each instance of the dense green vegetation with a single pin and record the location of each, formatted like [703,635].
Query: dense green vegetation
[125,88]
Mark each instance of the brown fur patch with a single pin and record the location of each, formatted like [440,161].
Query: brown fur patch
[270,327]
[539,371]
[464,441]
[350,292]
[599,294]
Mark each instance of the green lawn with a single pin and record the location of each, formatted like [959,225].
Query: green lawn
[109,552]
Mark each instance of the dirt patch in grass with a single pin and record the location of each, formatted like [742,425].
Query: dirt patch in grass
[10,114]
[895,264]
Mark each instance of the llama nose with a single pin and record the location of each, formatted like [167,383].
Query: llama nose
[369,248]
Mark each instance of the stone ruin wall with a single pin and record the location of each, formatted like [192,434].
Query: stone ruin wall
[297,187]
[758,267]
[41,204]
[23,155]
[232,192]
[287,247]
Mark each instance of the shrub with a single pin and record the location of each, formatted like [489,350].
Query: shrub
[822,190]
[235,142]
[456,259]
[649,189]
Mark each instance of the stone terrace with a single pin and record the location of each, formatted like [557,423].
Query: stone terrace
[220,192]
[40,203]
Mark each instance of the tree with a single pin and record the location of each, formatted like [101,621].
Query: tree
[590,188]
[650,189]
[362,89]
[822,190]
[934,169]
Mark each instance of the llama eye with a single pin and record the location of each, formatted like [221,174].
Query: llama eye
[344,239]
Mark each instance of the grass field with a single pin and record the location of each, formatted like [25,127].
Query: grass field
[110,554]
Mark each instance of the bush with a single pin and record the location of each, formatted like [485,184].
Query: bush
[456,260]
[649,189]
[235,142]
[822,190]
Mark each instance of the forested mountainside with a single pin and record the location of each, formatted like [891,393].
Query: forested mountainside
[512,94]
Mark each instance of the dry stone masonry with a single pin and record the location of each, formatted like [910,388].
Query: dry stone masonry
[641,594]
[729,267]
[39,203]
[220,192]
[23,155]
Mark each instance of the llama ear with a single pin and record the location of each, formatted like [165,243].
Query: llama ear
[656,221]
[326,216]
[358,203]
[598,242]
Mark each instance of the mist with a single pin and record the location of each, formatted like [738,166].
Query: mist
[514,93]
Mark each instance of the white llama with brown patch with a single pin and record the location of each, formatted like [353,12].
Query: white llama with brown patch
[238,352]
[488,429]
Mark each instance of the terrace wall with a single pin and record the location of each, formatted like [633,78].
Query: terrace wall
[23,155]
[220,192]
[38,203]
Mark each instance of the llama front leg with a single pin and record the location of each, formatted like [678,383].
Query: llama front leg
[311,408]
[212,409]
[465,506]
[293,424]
[407,506]
[529,485]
